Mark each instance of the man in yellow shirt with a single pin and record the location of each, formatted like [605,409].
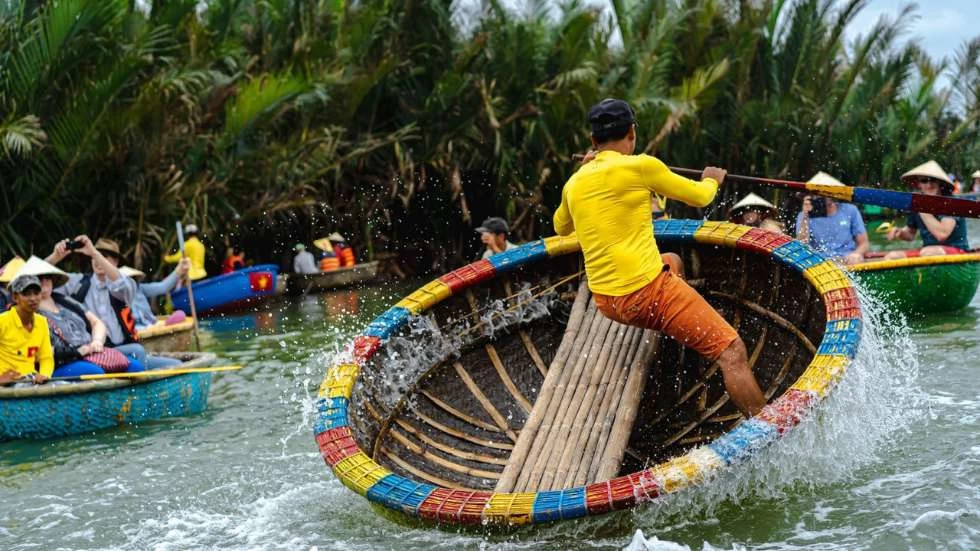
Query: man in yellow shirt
[195,252]
[607,204]
[24,339]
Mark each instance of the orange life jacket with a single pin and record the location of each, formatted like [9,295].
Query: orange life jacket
[232,263]
[345,253]
[329,263]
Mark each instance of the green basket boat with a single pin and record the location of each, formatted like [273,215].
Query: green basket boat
[925,284]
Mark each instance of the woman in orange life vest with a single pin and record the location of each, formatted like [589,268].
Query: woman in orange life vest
[343,251]
[328,259]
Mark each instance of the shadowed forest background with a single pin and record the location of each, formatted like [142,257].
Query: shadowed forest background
[403,124]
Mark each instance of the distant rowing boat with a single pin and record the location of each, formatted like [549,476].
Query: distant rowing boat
[324,281]
[53,410]
[232,292]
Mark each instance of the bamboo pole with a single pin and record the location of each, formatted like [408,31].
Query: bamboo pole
[544,470]
[541,448]
[516,461]
[597,441]
[564,373]
[628,408]
[588,408]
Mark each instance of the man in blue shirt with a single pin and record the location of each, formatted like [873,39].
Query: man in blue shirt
[940,234]
[839,232]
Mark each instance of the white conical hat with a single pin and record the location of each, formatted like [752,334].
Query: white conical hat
[336,237]
[132,272]
[824,179]
[975,174]
[38,267]
[929,169]
[753,200]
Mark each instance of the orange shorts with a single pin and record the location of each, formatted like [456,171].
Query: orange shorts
[669,305]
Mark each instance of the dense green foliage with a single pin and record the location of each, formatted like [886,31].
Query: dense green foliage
[405,123]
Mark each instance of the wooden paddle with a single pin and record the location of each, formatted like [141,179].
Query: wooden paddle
[148,373]
[190,285]
[899,200]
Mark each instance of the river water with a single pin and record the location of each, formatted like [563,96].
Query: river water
[891,461]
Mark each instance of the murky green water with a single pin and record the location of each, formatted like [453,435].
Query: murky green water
[892,460]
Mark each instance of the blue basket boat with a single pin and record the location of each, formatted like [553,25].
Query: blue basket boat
[234,292]
[51,411]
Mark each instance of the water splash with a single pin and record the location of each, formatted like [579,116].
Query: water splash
[878,399]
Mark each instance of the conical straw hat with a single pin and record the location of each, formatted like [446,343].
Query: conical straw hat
[929,169]
[975,174]
[132,272]
[323,244]
[10,269]
[753,201]
[824,179]
[336,237]
[38,267]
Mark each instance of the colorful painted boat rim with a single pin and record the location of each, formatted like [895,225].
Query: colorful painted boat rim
[355,468]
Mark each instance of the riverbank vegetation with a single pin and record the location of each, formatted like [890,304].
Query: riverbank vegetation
[403,124]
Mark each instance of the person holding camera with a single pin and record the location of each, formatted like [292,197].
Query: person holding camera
[940,234]
[835,229]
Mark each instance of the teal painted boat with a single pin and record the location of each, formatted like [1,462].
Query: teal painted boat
[922,285]
[56,410]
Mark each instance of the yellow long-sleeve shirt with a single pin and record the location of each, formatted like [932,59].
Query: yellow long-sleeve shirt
[607,204]
[195,252]
[20,349]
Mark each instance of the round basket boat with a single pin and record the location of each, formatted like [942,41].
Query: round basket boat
[55,410]
[924,284]
[423,414]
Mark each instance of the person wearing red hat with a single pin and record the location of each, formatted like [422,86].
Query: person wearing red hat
[606,203]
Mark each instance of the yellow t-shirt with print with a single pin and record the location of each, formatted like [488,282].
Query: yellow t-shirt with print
[21,350]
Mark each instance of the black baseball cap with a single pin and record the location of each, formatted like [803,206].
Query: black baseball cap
[24,282]
[493,225]
[610,114]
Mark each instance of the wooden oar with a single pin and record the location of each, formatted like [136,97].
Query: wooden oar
[148,373]
[190,285]
[899,200]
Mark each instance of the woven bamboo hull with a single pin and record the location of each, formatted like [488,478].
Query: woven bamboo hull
[49,411]
[923,285]
[168,338]
[421,430]
[324,281]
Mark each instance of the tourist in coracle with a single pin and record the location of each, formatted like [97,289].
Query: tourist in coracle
[25,347]
[940,234]
[607,204]
[975,188]
[835,229]
[194,250]
[78,336]
[493,233]
[328,258]
[303,262]
[108,294]
[753,210]
[148,291]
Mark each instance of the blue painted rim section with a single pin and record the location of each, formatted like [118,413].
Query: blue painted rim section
[841,337]
[331,413]
[798,256]
[559,505]
[398,492]
[884,198]
[742,441]
[389,322]
[525,254]
[678,230]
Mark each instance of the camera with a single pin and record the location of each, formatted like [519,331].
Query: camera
[74,245]
[819,207]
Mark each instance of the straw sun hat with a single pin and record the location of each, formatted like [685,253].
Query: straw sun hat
[975,174]
[10,269]
[931,169]
[38,267]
